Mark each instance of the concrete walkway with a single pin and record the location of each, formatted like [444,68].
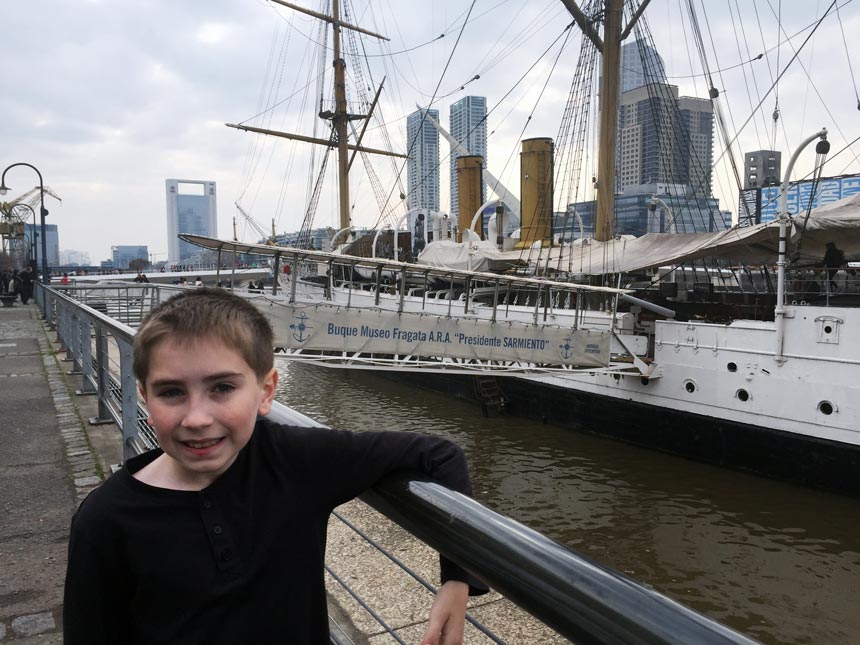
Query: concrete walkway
[50,459]
[46,467]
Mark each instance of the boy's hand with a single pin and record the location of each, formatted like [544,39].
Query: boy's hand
[448,615]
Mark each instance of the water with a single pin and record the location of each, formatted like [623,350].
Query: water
[778,562]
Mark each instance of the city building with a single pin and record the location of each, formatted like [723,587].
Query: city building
[761,204]
[638,213]
[52,240]
[468,125]
[664,139]
[123,256]
[70,257]
[762,168]
[191,208]
[422,170]
[640,65]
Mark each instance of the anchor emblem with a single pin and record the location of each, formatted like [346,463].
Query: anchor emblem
[565,349]
[301,330]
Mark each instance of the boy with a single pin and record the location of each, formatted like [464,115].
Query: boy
[219,535]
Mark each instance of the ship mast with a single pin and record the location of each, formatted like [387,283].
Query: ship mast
[610,48]
[341,117]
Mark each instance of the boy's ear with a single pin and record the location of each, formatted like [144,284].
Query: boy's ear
[269,385]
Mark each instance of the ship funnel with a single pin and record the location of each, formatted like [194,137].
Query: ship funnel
[469,180]
[536,192]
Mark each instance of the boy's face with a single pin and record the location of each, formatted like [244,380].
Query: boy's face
[203,400]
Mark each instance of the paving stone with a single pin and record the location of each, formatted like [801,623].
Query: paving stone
[33,624]
[88,481]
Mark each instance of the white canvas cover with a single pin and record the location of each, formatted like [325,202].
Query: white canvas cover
[838,222]
[478,255]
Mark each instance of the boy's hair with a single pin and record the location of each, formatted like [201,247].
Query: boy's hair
[206,312]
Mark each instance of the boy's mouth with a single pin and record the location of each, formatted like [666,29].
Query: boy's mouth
[202,446]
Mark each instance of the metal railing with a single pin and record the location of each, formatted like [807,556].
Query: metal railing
[579,598]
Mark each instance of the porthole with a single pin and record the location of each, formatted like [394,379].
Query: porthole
[826,407]
[690,386]
[732,367]
[644,380]
[742,395]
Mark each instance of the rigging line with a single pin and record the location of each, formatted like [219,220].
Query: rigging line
[284,100]
[746,80]
[848,56]
[781,74]
[817,93]
[424,114]
[499,102]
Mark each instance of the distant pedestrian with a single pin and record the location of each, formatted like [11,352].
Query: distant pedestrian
[198,282]
[834,259]
[25,281]
[65,280]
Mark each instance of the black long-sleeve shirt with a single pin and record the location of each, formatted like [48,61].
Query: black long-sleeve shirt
[242,560]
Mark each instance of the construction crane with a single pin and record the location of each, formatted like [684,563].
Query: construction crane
[268,237]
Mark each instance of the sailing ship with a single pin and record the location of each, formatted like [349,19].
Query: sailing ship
[774,393]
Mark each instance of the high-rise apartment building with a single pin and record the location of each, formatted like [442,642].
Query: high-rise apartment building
[191,208]
[640,65]
[664,139]
[468,125]
[422,170]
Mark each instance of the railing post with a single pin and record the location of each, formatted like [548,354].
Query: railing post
[88,376]
[128,387]
[73,349]
[102,378]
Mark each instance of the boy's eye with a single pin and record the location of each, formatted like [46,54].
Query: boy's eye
[223,388]
[169,393]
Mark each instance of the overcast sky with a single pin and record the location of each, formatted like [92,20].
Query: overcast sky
[108,98]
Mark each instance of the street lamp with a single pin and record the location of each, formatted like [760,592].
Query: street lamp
[35,235]
[46,277]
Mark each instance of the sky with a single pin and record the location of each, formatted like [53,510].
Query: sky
[109,98]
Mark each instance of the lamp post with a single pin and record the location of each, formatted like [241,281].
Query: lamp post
[46,277]
[35,234]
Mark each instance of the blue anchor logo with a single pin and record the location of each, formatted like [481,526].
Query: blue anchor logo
[301,330]
[565,349]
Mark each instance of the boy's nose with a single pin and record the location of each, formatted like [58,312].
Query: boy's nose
[197,415]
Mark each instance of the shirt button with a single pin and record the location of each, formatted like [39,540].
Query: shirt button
[217,530]
[226,555]
[207,504]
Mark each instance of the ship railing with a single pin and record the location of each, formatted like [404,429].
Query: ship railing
[577,597]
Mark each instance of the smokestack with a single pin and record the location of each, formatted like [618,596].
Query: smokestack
[536,192]
[469,172]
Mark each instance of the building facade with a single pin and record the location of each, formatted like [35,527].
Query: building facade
[664,138]
[191,208]
[468,125]
[762,168]
[122,256]
[52,241]
[761,204]
[422,170]
[640,65]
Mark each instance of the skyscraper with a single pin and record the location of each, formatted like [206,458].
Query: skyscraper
[468,125]
[640,65]
[422,171]
[664,139]
[191,208]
